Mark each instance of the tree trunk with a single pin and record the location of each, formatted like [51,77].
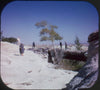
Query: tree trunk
[55,54]
[53,45]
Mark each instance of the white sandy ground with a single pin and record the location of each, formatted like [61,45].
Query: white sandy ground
[30,71]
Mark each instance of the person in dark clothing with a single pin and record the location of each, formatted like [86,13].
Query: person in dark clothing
[33,45]
[61,45]
[65,46]
[21,49]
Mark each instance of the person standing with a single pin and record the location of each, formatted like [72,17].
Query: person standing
[33,45]
[21,49]
[61,45]
[65,46]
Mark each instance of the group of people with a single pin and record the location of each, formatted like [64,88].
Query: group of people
[22,49]
[65,45]
[21,46]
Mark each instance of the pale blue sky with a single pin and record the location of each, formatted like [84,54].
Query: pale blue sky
[73,18]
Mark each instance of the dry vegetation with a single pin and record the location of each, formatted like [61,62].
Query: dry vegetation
[70,65]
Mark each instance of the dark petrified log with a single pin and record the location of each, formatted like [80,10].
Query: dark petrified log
[49,57]
[59,54]
[75,56]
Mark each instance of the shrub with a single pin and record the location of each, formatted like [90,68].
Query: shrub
[10,39]
[73,65]
[78,44]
